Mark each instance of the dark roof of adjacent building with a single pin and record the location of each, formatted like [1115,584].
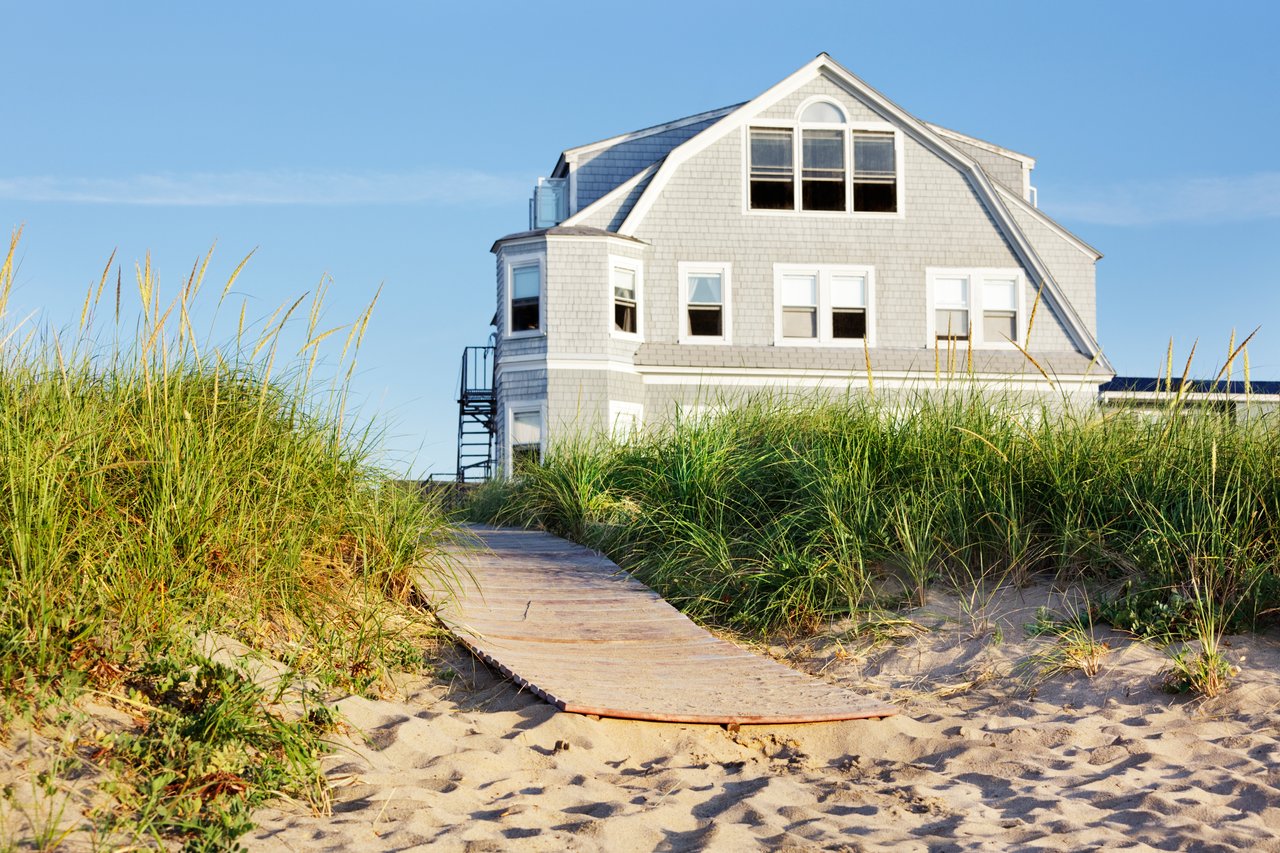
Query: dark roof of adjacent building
[1162,385]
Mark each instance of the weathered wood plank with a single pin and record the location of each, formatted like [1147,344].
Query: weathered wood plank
[577,630]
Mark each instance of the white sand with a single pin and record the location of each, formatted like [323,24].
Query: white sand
[985,756]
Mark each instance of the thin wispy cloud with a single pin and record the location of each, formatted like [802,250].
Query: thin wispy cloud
[214,189]
[1223,199]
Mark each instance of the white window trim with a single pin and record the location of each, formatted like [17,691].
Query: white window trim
[976,276]
[824,273]
[510,409]
[615,409]
[515,262]
[636,267]
[722,268]
[850,127]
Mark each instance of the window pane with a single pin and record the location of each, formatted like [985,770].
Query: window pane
[705,322]
[525,456]
[952,323]
[624,283]
[799,322]
[848,291]
[875,196]
[951,292]
[524,315]
[822,112]
[705,289]
[799,290]
[526,427]
[997,326]
[624,317]
[823,152]
[822,194]
[849,323]
[524,282]
[873,154]
[773,194]
[625,425]
[770,151]
[1000,295]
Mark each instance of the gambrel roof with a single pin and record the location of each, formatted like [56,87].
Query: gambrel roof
[641,163]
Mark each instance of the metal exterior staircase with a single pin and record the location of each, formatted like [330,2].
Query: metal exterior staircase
[476,413]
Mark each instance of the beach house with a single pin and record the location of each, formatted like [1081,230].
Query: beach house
[818,236]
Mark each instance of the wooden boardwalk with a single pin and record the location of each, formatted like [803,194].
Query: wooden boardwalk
[584,635]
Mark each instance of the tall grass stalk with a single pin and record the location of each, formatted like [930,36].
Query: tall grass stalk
[158,484]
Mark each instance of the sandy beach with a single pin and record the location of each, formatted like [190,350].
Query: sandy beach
[986,754]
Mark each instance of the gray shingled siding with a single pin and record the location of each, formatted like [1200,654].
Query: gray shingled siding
[1073,270]
[578,400]
[610,217]
[700,217]
[600,171]
[1003,170]
[855,109]
[530,345]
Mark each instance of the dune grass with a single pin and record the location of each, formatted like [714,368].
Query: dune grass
[157,487]
[782,513]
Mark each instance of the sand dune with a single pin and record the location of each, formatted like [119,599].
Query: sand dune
[985,756]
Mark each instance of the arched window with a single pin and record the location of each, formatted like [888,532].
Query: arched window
[822,112]
[819,146]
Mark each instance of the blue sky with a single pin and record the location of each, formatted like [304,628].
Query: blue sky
[390,144]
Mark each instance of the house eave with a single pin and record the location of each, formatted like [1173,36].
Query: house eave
[561,232]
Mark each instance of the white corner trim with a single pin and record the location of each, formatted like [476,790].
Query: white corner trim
[1050,222]
[1027,161]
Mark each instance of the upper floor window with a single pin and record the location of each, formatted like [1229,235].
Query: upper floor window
[842,166]
[625,287]
[822,304]
[525,309]
[982,307]
[704,303]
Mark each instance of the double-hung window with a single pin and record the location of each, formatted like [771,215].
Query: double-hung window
[875,175]
[705,316]
[1000,310]
[842,166]
[524,280]
[981,307]
[822,304]
[773,185]
[625,290]
[524,430]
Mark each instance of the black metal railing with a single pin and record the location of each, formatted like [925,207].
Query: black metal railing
[476,411]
